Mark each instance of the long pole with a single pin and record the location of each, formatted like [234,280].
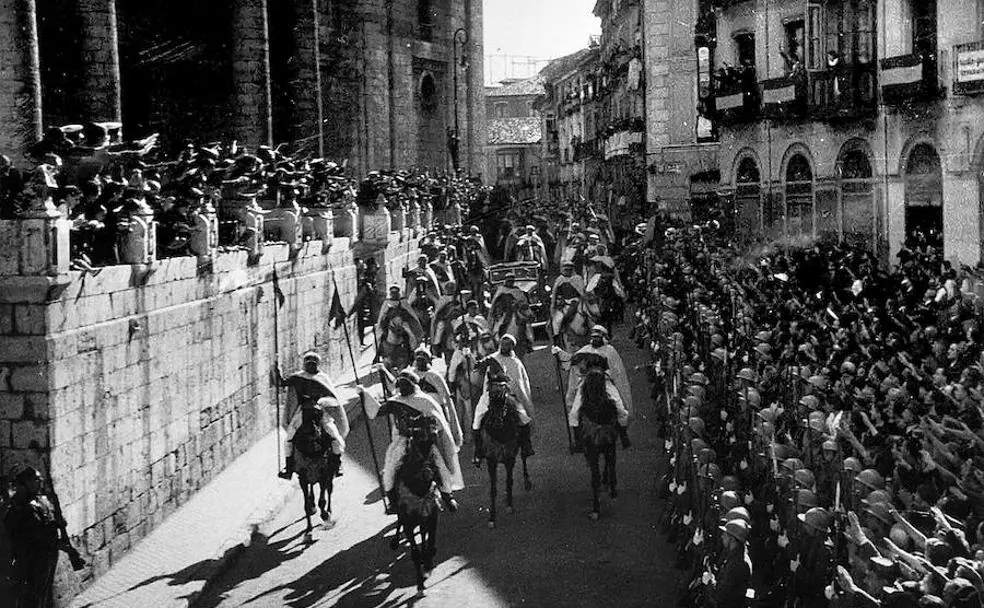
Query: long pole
[276,361]
[362,401]
[563,403]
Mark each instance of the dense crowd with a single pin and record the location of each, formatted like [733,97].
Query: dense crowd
[102,183]
[823,422]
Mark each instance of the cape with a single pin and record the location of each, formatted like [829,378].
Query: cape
[426,405]
[616,370]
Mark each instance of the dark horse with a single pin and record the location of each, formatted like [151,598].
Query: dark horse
[315,464]
[598,430]
[500,440]
[418,497]
[610,305]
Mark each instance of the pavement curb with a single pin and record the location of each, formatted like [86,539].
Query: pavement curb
[259,520]
[230,551]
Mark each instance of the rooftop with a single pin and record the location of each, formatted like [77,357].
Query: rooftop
[528,87]
[563,65]
[518,131]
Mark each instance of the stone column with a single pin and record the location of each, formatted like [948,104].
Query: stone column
[100,99]
[308,112]
[376,224]
[253,123]
[347,221]
[426,216]
[20,79]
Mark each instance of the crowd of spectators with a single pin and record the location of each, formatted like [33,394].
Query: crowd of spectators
[103,182]
[823,422]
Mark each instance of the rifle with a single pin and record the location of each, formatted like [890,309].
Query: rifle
[64,542]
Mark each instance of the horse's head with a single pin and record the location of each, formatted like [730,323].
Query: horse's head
[422,432]
[591,305]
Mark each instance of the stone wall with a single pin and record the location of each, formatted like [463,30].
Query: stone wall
[135,386]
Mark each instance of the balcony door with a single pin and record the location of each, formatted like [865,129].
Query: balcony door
[857,198]
[799,197]
[924,198]
[748,200]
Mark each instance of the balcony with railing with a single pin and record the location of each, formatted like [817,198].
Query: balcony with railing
[909,79]
[968,68]
[843,94]
[736,97]
[785,98]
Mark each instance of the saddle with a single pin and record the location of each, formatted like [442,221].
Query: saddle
[311,441]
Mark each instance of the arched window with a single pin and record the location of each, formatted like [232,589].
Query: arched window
[857,197]
[924,197]
[748,199]
[428,96]
[799,197]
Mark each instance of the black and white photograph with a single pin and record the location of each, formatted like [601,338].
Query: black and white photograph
[491,303]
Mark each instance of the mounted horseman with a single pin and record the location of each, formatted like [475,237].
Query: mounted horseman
[423,290]
[510,312]
[447,311]
[399,329]
[568,288]
[407,404]
[606,285]
[475,261]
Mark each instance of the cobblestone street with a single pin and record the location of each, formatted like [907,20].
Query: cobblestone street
[546,554]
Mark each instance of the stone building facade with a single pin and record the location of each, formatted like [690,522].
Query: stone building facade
[572,151]
[135,386]
[681,145]
[378,83]
[514,136]
[870,132]
[621,99]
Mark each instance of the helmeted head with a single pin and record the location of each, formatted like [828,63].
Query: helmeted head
[422,261]
[422,359]
[394,293]
[567,268]
[498,384]
[506,344]
[599,335]
[407,382]
[311,361]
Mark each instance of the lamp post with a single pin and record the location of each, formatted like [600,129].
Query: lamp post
[460,37]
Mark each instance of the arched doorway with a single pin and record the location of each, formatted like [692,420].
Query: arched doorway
[923,198]
[799,197]
[857,198]
[748,199]
[431,137]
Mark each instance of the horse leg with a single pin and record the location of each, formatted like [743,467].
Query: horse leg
[430,547]
[395,541]
[527,484]
[493,467]
[324,502]
[610,466]
[415,555]
[592,456]
[307,492]
[509,465]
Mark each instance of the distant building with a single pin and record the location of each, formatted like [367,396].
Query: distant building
[572,152]
[621,101]
[513,147]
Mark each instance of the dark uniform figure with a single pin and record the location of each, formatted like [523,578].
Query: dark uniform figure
[35,539]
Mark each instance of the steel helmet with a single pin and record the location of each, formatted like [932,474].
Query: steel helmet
[696,425]
[816,518]
[747,374]
[706,455]
[879,510]
[696,445]
[699,378]
[739,513]
[730,483]
[804,477]
[830,445]
[736,528]
[806,499]
[729,500]
[877,496]
[791,464]
[852,464]
[871,479]
[810,401]
[710,471]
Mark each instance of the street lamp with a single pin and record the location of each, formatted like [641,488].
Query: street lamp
[460,37]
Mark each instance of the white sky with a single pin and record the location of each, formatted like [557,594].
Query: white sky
[539,29]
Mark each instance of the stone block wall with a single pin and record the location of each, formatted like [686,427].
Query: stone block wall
[136,389]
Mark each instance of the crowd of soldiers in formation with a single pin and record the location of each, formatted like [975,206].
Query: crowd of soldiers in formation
[823,420]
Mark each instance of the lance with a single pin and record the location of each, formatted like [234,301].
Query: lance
[362,401]
[276,357]
[563,403]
